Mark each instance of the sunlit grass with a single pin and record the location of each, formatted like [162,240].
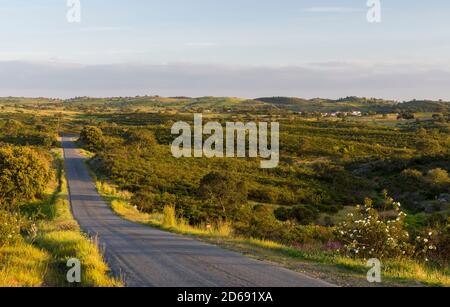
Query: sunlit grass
[22,265]
[42,261]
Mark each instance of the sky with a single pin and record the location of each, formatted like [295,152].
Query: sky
[242,48]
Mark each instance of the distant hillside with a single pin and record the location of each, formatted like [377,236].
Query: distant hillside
[15,101]
[327,105]
[355,104]
[224,104]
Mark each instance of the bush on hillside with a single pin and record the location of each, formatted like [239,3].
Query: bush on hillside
[92,138]
[302,214]
[224,191]
[369,234]
[24,175]
[148,201]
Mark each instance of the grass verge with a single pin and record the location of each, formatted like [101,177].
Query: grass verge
[41,261]
[328,266]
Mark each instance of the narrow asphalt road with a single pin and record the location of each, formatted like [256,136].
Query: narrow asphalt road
[147,257]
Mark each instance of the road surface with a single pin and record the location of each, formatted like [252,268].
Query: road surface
[146,257]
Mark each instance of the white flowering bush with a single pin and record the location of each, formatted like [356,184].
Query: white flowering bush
[369,234]
[9,228]
[426,245]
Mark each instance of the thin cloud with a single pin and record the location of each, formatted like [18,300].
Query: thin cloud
[181,79]
[200,44]
[322,9]
[103,29]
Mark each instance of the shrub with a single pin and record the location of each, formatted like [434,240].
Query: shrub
[264,194]
[141,140]
[425,246]
[411,178]
[145,201]
[438,177]
[282,214]
[225,192]
[262,224]
[443,244]
[23,175]
[311,234]
[302,214]
[434,245]
[148,201]
[92,138]
[367,234]
[12,127]
[9,228]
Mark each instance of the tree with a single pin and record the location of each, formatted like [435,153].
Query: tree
[282,214]
[12,127]
[406,115]
[24,175]
[438,180]
[302,214]
[92,137]
[428,146]
[141,140]
[224,191]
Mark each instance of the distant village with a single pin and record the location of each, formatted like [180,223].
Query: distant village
[338,114]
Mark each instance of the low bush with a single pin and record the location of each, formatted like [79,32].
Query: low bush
[147,201]
[369,234]
[311,234]
[24,174]
[92,138]
[302,214]
[434,245]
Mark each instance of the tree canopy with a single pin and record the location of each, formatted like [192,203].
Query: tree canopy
[24,174]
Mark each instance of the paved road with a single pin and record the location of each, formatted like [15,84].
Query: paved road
[147,257]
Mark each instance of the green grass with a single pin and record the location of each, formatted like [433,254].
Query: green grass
[42,262]
[23,265]
[326,265]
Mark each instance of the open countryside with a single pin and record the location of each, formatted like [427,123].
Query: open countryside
[358,179]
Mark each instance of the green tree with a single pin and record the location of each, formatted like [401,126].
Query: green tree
[12,127]
[224,191]
[92,138]
[302,214]
[141,140]
[438,180]
[24,175]
[428,146]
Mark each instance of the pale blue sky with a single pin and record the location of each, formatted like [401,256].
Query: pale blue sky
[327,40]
